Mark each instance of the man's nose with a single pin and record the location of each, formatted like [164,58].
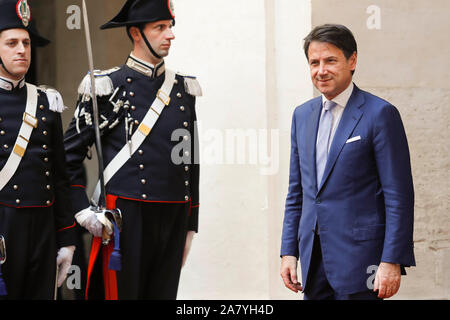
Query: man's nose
[322,68]
[21,48]
[170,35]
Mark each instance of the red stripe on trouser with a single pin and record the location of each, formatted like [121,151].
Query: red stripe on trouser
[109,276]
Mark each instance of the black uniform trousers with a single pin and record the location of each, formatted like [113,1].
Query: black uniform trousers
[152,244]
[30,268]
[318,286]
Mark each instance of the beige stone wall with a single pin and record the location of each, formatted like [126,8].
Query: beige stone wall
[406,62]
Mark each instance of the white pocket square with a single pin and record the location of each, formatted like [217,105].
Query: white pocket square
[353,139]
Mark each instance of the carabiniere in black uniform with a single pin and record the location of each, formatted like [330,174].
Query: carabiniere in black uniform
[157,195]
[35,216]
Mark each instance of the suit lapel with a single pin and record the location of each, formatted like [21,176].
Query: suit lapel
[350,118]
[311,136]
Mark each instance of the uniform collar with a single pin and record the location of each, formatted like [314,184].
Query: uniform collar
[343,97]
[145,68]
[9,84]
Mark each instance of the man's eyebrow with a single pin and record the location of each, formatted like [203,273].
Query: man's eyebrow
[17,39]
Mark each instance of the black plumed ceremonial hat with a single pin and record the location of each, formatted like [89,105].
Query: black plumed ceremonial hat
[136,12]
[16,14]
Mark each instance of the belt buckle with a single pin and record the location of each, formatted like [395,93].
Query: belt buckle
[19,150]
[30,120]
[165,99]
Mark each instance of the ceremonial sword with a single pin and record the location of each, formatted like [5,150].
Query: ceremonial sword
[98,144]
[114,215]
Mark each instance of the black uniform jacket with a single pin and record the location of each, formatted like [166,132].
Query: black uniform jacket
[165,168]
[41,180]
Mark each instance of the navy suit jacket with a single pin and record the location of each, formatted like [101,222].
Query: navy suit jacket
[364,205]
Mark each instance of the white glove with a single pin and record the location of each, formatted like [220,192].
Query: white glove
[63,262]
[94,222]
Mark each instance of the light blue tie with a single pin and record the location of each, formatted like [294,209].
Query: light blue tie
[323,139]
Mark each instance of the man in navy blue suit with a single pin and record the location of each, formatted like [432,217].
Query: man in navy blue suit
[350,205]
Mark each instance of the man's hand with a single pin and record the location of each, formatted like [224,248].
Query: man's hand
[63,262]
[94,222]
[289,273]
[187,246]
[387,280]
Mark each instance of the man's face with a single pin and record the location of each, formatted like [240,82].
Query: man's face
[15,52]
[160,35]
[330,69]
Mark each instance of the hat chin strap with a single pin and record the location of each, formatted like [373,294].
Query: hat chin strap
[4,67]
[141,30]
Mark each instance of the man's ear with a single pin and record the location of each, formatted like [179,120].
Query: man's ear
[135,34]
[353,60]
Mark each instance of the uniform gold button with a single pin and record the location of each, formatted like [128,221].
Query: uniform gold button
[186,198]
[141,166]
[41,107]
[16,187]
[44,133]
[186,168]
[2,132]
[182,108]
[47,173]
[143,181]
[44,119]
[185,124]
[44,147]
[5,146]
[140,152]
[45,159]
[144,196]
[48,202]
[133,108]
[179,95]
[132,94]
[186,153]
[129,80]
[17,201]
[48,187]
[175,81]
[186,183]
[186,138]
[136,122]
